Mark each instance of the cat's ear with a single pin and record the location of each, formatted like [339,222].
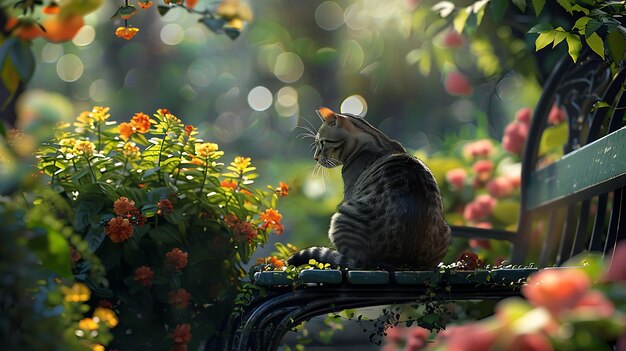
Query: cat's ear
[329,116]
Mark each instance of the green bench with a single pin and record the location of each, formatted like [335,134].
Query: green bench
[581,196]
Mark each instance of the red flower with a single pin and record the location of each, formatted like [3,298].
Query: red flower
[453,39]
[119,229]
[457,84]
[143,275]
[483,170]
[478,148]
[229,183]
[479,209]
[470,337]
[524,115]
[165,206]
[514,138]
[469,261]
[123,206]
[189,129]
[179,298]
[176,259]
[242,230]
[556,115]
[182,334]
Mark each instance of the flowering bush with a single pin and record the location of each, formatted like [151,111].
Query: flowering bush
[172,225]
[565,309]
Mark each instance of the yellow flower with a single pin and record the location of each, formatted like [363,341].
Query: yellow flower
[88,324]
[85,147]
[107,316]
[85,117]
[67,145]
[241,163]
[99,113]
[79,292]
[97,347]
[130,150]
[206,149]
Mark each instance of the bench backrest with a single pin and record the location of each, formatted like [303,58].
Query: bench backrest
[577,202]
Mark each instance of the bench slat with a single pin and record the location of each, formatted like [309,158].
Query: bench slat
[591,170]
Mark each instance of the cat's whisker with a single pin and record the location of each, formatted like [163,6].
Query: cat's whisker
[307,129]
[313,128]
[303,136]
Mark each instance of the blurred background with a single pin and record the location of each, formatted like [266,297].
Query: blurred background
[378,59]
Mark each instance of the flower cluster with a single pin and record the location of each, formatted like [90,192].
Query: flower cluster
[170,220]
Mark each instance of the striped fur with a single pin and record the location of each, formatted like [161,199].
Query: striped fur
[392,211]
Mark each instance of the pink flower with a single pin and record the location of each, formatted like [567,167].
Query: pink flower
[457,84]
[479,243]
[500,187]
[616,270]
[483,170]
[530,342]
[394,334]
[479,209]
[469,337]
[453,39]
[456,177]
[514,138]
[596,304]
[556,115]
[523,115]
[556,289]
[478,148]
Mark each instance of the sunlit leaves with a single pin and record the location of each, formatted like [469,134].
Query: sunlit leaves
[596,44]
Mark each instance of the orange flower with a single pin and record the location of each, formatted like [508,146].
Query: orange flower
[141,122]
[126,32]
[189,129]
[283,189]
[557,289]
[176,258]
[165,206]
[51,9]
[123,206]
[119,230]
[125,130]
[229,183]
[131,150]
[179,298]
[143,275]
[87,324]
[163,111]
[271,219]
[182,334]
[144,4]
[84,147]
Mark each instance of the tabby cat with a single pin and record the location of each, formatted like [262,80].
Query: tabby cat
[391,213]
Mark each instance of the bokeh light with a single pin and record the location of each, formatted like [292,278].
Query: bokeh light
[329,15]
[201,72]
[260,98]
[288,67]
[354,104]
[85,36]
[70,68]
[172,34]
[51,52]
[99,90]
[287,102]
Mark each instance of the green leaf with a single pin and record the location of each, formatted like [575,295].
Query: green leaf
[23,59]
[498,9]
[599,105]
[521,5]
[559,36]
[581,23]
[592,27]
[553,139]
[215,25]
[540,28]
[573,45]
[596,44]
[166,233]
[567,5]
[544,39]
[53,251]
[506,212]
[617,44]
[461,19]
[538,6]
[94,238]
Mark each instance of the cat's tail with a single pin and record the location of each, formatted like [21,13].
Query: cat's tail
[321,255]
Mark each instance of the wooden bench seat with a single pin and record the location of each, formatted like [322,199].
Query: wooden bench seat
[580,197]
